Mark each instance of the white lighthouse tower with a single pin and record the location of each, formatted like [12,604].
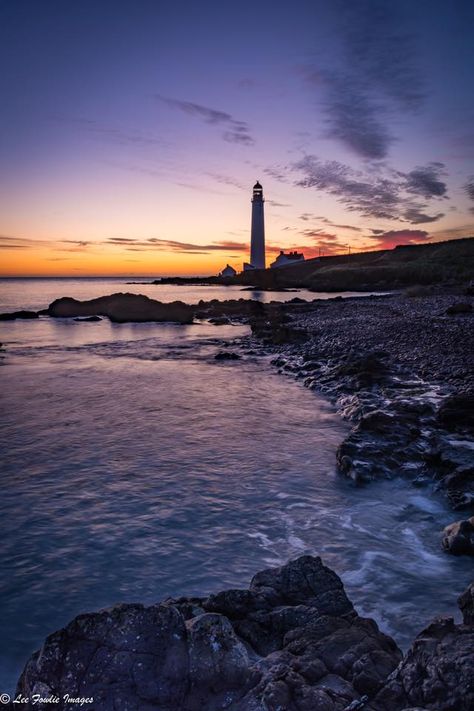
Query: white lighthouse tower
[257,235]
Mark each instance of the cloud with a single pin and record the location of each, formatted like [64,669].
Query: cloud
[393,238]
[375,78]
[166,245]
[307,216]
[425,181]
[234,131]
[416,217]
[277,173]
[7,242]
[273,203]
[353,117]
[382,194]
[469,188]
[320,234]
[227,180]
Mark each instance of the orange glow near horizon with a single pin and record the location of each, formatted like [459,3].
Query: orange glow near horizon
[38,262]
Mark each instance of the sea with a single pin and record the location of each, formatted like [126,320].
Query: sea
[136,466]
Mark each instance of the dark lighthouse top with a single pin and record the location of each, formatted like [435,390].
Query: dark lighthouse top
[257,192]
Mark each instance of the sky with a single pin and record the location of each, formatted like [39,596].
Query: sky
[132,131]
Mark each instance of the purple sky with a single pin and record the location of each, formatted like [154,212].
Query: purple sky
[133,131]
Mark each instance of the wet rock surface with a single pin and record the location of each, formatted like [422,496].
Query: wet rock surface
[291,642]
[437,672]
[458,537]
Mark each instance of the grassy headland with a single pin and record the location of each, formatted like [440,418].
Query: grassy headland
[446,263]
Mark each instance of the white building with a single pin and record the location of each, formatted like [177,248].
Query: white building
[284,260]
[228,271]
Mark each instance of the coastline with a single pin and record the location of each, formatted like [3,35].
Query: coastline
[375,389]
[391,365]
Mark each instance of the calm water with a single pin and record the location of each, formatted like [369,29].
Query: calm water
[36,294]
[135,466]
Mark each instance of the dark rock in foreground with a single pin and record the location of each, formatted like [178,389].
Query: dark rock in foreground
[121,308]
[291,642]
[437,673]
[18,314]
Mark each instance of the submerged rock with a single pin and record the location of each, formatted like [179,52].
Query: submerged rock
[88,319]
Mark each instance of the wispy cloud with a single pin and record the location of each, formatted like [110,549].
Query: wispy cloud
[308,216]
[273,203]
[227,180]
[167,245]
[375,78]
[234,131]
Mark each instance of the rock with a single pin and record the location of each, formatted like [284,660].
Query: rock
[367,368]
[88,319]
[292,641]
[436,673]
[466,605]
[459,308]
[458,538]
[377,421]
[121,308]
[457,412]
[18,314]
[219,321]
[227,355]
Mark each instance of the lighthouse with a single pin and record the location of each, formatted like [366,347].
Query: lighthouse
[257,235]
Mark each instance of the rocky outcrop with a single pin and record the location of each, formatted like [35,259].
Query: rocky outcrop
[456,412]
[458,538]
[12,316]
[272,324]
[121,308]
[437,673]
[292,641]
